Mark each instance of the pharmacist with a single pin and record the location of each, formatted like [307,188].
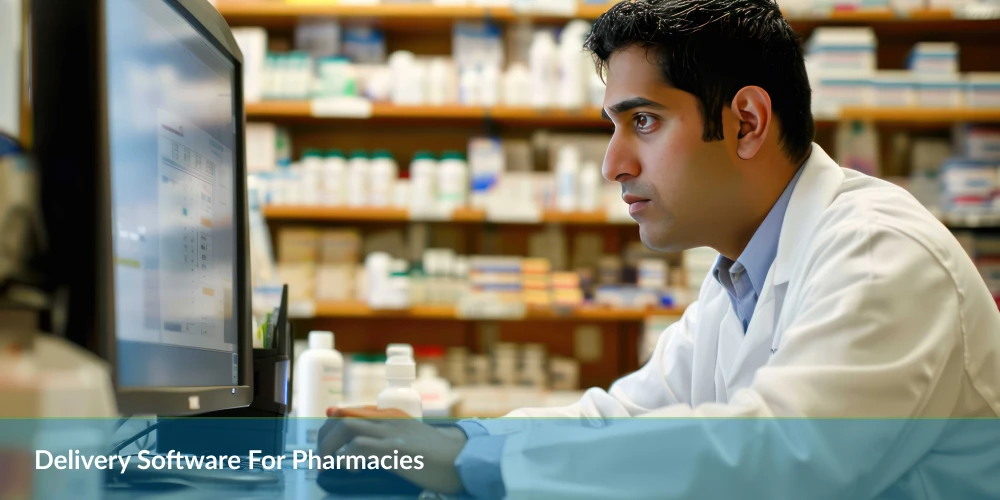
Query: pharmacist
[835,295]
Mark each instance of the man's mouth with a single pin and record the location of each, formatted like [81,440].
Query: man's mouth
[635,203]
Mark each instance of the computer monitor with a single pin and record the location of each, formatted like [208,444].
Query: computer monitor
[139,129]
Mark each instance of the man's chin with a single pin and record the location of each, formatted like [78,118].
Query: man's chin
[661,240]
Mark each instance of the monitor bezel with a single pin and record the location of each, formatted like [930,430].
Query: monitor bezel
[70,108]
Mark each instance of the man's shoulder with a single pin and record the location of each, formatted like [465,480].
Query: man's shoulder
[866,205]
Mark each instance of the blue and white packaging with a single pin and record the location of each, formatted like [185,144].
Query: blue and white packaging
[843,49]
[934,57]
[895,88]
[979,142]
[969,185]
[939,90]
[982,90]
[486,165]
[364,45]
[835,90]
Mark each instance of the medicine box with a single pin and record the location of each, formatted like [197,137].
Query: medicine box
[939,90]
[335,282]
[934,57]
[341,246]
[979,142]
[297,245]
[848,49]
[895,88]
[982,90]
[834,91]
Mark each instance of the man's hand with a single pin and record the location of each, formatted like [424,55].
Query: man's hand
[369,431]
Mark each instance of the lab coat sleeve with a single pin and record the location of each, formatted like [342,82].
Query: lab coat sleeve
[664,380]
[874,333]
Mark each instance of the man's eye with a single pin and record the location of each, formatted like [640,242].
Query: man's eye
[644,123]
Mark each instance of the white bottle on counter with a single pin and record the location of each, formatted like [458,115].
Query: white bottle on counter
[319,377]
[543,65]
[589,199]
[423,183]
[383,174]
[567,173]
[334,179]
[453,181]
[358,179]
[399,394]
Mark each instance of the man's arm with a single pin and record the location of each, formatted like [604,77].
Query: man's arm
[877,334]
[663,381]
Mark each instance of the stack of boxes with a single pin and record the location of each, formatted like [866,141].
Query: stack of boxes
[566,291]
[935,66]
[971,182]
[841,63]
[535,282]
[842,67]
[319,265]
[336,273]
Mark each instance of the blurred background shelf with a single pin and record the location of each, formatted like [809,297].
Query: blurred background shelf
[591,117]
[910,146]
[424,17]
[357,309]
[303,111]
[920,116]
[463,215]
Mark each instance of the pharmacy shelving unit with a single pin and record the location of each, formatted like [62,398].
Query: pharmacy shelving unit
[591,118]
[425,30]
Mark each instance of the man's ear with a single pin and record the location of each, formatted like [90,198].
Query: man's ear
[752,107]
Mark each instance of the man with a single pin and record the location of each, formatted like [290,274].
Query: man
[835,295]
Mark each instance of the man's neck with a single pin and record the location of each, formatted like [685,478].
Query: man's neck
[758,200]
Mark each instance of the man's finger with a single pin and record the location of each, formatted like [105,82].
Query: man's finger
[370,413]
[332,411]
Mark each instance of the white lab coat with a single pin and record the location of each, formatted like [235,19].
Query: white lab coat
[871,309]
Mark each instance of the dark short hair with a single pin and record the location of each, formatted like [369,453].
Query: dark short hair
[712,49]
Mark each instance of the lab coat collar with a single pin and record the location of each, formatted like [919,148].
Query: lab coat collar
[820,179]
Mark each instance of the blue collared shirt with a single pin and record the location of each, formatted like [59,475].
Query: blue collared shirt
[478,464]
[744,278]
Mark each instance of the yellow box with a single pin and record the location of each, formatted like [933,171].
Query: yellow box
[340,246]
[297,245]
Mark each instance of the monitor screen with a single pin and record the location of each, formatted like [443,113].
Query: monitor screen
[172,133]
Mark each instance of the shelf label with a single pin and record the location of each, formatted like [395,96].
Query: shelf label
[341,107]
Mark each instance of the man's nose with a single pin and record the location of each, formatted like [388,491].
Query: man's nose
[620,163]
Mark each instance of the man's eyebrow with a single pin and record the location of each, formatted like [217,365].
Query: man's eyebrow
[635,102]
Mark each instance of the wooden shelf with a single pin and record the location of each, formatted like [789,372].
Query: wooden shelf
[423,17]
[302,111]
[591,118]
[462,215]
[360,310]
[920,115]
[307,213]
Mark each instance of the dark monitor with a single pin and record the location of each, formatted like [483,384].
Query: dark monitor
[139,129]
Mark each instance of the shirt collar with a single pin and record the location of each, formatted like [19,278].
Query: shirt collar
[759,254]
